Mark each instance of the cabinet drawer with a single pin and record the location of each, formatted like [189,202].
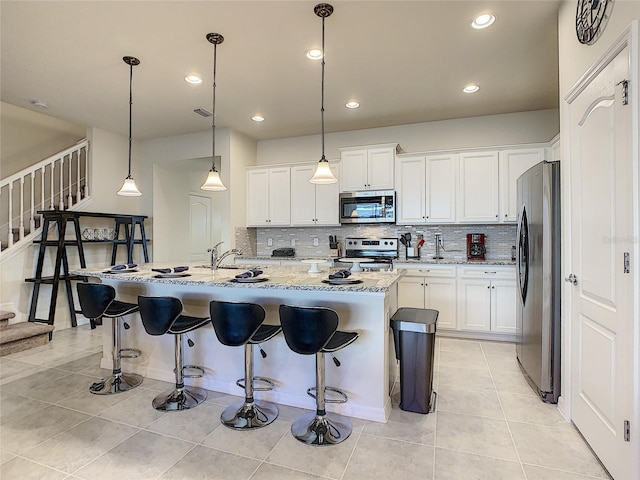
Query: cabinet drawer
[487,271]
[427,270]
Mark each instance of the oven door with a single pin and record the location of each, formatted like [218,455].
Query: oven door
[368,207]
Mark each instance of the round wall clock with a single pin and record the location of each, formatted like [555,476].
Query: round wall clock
[591,19]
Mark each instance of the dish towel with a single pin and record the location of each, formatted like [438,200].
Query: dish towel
[124,266]
[254,272]
[169,270]
[340,274]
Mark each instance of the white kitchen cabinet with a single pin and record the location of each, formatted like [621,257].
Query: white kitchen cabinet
[487,299]
[269,197]
[514,163]
[426,189]
[367,168]
[430,287]
[478,192]
[313,204]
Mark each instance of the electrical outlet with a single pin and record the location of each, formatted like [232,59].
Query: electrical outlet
[315,241]
[269,242]
[293,242]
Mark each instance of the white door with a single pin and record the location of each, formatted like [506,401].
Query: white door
[380,162]
[440,294]
[199,226]
[327,200]
[410,192]
[354,170]
[258,197]
[602,358]
[478,187]
[503,306]
[514,163]
[474,304]
[440,189]
[280,196]
[411,292]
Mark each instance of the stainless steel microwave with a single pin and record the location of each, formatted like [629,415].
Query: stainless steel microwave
[370,206]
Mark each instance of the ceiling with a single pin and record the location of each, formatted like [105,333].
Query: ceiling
[404,61]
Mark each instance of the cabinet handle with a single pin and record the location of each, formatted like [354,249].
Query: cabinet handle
[496,215]
[490,273]
[505,215]
[427,216]
[493,286]
[424,271]
[488,286]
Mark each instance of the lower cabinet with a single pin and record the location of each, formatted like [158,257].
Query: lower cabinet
[431,288]
[468,298]
[487,299]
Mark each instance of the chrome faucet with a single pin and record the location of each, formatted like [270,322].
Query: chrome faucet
[214,255]
[439,245]
[233,251]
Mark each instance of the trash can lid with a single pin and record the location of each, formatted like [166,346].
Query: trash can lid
[421,320]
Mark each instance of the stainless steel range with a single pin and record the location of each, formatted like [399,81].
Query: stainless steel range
[382,250]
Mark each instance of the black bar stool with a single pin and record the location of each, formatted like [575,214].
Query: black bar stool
[309,331]
[162,315]
[98,300]
[238,324]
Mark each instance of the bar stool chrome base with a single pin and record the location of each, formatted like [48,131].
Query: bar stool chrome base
[245,416]
[179,399]
[115,384]
[320,430]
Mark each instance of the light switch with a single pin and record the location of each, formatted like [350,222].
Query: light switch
[315,241]
[269,242]
[293,242]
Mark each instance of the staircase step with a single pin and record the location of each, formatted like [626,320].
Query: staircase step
[23,336]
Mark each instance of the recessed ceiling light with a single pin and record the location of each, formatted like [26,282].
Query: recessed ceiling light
[314,54]
[352,104]
[257,118]
[483,20]
[471,89]
[193,79]
[39,103]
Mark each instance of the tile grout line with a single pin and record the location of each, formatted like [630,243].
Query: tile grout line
[353,450]
[524,474]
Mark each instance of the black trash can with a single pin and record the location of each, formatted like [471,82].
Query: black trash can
[414,335]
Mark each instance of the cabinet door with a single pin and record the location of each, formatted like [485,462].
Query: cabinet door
[411,292]
[303,196]
[440,294]
[514,163]
[380,162]
[327,200]
[478,187]
[354,170]
[503,306]
[474,304]
[258,198]
[280,196]
[440,188]
[410,194]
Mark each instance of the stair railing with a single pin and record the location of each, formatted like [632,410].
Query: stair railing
[59,182]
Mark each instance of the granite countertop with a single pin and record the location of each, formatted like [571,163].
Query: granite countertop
[400,262]
[290,277]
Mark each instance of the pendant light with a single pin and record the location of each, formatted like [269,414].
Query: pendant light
[129,188]
[213,182]
[323,174]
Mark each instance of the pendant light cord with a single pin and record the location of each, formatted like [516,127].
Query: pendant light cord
[322,95]
[130,107]
[213,116]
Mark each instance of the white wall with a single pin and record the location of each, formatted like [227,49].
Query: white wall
[507,129]
[29,137]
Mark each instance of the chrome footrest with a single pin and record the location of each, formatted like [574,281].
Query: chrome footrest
[343,396]
[129,353]
[268,382]
[192,368]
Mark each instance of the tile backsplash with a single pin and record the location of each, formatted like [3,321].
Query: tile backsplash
[262,241]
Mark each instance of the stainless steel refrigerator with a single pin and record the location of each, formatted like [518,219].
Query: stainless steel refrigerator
[539,275]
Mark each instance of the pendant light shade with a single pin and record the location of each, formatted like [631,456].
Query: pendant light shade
[129,188]
[323,174]
[214,182]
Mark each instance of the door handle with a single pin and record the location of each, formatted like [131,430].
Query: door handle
[571,279]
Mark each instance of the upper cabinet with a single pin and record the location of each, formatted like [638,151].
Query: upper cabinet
[426,189]
[514,163]
[367,168]
[313,204]
[478,187]
[269,197]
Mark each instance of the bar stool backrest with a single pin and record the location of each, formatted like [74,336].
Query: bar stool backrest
[159,313]
[307,329]
[235,323]
[95,298]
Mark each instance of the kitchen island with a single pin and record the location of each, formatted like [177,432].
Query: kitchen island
[365,307]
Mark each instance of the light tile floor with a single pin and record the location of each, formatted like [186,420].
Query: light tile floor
[488,424]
